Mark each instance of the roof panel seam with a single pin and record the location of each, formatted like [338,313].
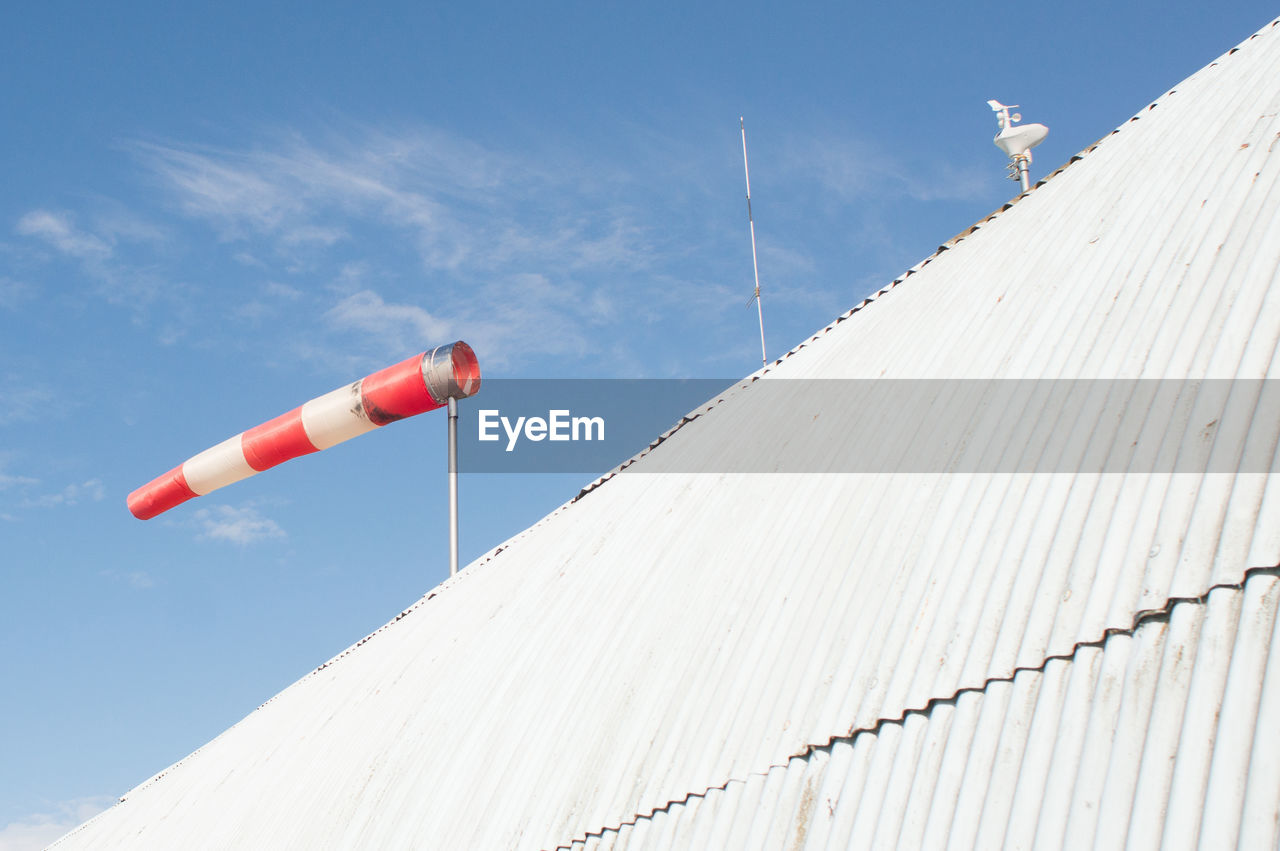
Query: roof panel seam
[1142,617]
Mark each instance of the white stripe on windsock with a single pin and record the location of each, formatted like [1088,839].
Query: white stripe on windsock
[217,467]
[336,416]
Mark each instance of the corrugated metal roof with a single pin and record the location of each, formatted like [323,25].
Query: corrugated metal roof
[877,637]
[1166,733]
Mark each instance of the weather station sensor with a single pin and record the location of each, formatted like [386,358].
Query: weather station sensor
[1017,140]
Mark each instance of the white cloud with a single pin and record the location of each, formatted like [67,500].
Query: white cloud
[463,206]
[242,525]
[24,401]
[268,302]
[287,193]
[8,480]
[520,255]
[96,251]
[315,234]
[70,495]
[73,494]
[855,169]
[116,223]
[409,325]
[528,314]
[282,291]
[254,311]
[38,830]
[222,191]
[14,293]
[139,579]
[57,230]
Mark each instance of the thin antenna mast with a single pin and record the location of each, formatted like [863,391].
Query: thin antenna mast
[764,359]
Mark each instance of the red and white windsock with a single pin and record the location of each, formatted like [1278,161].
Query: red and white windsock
[422,383]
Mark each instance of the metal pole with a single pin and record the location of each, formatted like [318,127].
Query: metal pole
[1023,172]
[764,359]
[453,486]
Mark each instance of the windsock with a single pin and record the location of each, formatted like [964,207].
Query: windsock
[422,383]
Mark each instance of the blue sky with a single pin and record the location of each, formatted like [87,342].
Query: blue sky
[211,216]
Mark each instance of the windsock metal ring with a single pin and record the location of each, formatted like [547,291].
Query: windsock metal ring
[422,383]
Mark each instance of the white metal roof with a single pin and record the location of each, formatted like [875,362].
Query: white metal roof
[674,658]
[1161,735]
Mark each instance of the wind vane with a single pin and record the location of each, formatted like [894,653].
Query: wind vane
[1016,142]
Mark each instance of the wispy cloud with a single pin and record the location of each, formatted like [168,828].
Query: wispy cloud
[59,231]
[461,203]
[96,250]
[24,400]
[222,189]
[242,525]
[299,194]
[38,830]
[528,314]
[73,494]
[855,169]
[284,292]
[506,242]
[407,324]
[7,481]
[139,579]
[26,491]
[268,302]
[422,235]
[313,235]
[116,224]
[14,293]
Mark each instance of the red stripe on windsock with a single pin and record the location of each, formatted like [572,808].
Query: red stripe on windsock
[396,392]
[276,441]
[159,495]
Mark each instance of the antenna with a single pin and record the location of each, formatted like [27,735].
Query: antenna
[764,359]
[1017,141]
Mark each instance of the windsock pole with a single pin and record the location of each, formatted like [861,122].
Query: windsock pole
[453,486]
[424,382]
